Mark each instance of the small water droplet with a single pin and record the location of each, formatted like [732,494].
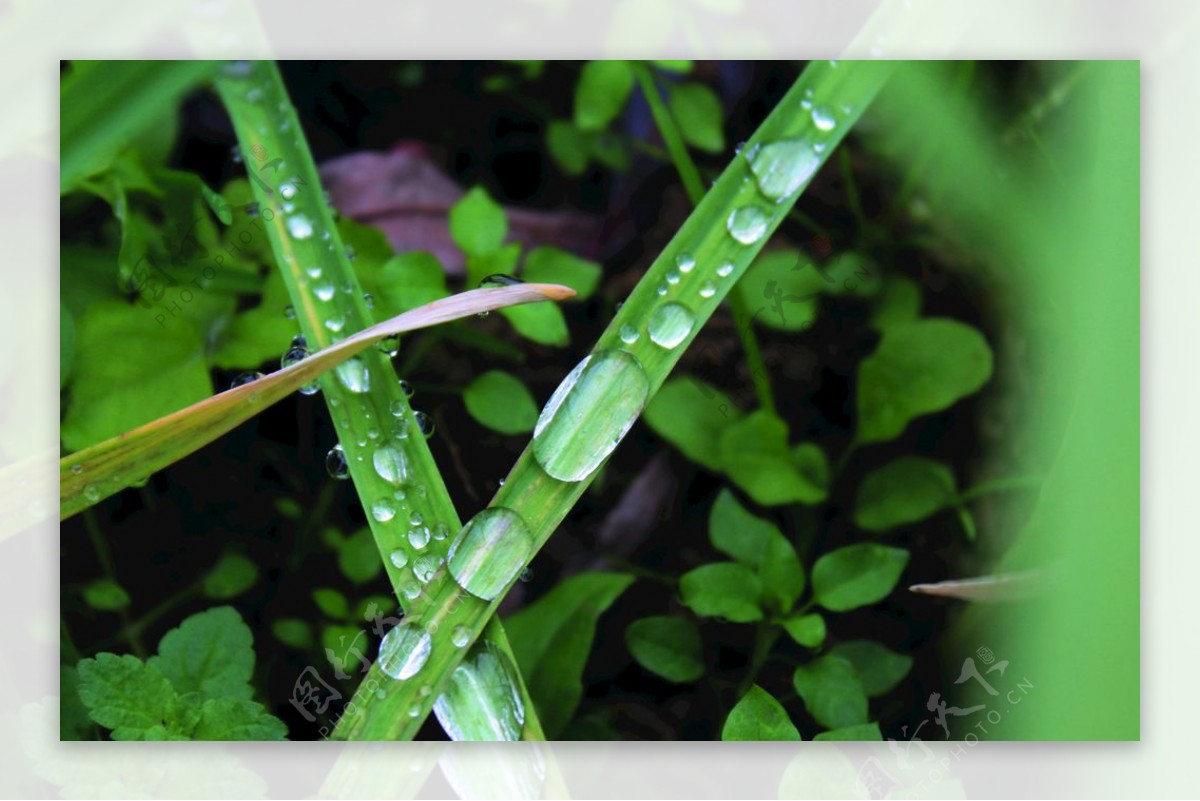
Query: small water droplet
[236,69]
[289,311]
[299,226]
[411,591]
[672,277]
[369,300]
[335,462]
[398,408]
[685,262]
[526,575]
[628,334]
[383,510]
[671,324]
[390,464]
[235,154]
[314,272]
[299,341]
[441,531]
[354,375]
[414,711]
[418,537]
[661,289]
[324,291]
[490,551]
[92,493]
[425,566]
[351,254]
[399,558]
[389,345]
[823,118]
[425,423]
[404,651]
[726,269]
[415,519]
[747,224]
[76,469]
[570,440]
[287,190]
[406,388]
[708,289]
[335,323]
[292,356]
[460,636]
[499,279]
[245,378]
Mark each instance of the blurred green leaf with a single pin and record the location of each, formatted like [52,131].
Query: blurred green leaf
[806,630]
[501,402]
[680,65]
[105,595]
[832,692]
[780,290]
[358,557]
[690,414]
[905,490]
[66,344]
[549,265]
[211,653]
[232,575]
[294,632]
[701,119]
[918,368]
[857,575]
[552,637]
[331,602]
[477,223]
[568,146]
[879,668]
[666,646]
[724,589]
[897,304]
[860,732]
[603,89]
[758,717]
[754,453]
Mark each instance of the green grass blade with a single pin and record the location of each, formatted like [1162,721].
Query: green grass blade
[303,235]
[826,92]
[93,474]
[105,103]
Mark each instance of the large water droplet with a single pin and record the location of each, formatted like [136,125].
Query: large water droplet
[404,651]
[399,558]
[747,224]
[354,375]
[589,413]
[335,462]
[418,537]
[490,552]
[299,226]
[425,566]
[391,465]
[382,510]
[495,714]
[782,168]
[670,324]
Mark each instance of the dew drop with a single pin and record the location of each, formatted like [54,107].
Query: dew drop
[411,591]
[726,269]
[293,355]
[406,388]
[354,375]
[398,408]
[672,277]
[351,253]
[382,510]
[299,226]
[76,469]
[245,378]
[628,334]
[369,300]
[235,154]
[426,566]
[389,345]
[708,289]
[747,224]
[418,537]
[782,168]
[335,323]
[289,311]
[460,636]
[661,289]
[92,493]
[404,651]
[425,423]
[287,190]
[499,279]
[441,531]
[685,262]
[324,291]
[490,551]
[335,462]
[415,519]
[671,324]
[570,439]
[314,272]
[390,464]
[414,711]
[399,558]
[823,118]
[497,716]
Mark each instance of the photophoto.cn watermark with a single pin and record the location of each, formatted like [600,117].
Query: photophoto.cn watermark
[916,768]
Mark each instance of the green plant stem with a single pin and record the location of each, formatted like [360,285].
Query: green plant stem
[372,409]
[765,637]
[543,501]
[100,544]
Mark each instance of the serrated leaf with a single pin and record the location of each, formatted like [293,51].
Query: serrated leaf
[918,368]
[501,402]
[806,630]
[124,694]
[477,223]
[701,120]
[860,732]
[755,455]
[237,719]
[232,575]
[358,557]
[105,595]
[857,575]
[832,691]
[210,653]
[691,414]
[552,637]
[554,266]
[669,647]
[903,491]
[879,668]
[759,717]
[601,94]
[724,589]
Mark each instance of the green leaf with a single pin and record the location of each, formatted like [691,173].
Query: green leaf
[331,602]
[237,719]
[757,717]
[812,463]
[754,453]
[918,368]
[898,304]
[857,575]
[358,557]
[832,692]
[736,532]
[124,694]
[211,653]
[232,575]
[258,335]
[690,414]
[781,573]
[666,646]
[503,260]
[552,637]
[701,120]
[724,589]
[74,723]
[859,732]
[130,368]
[542,322]
[879,668]
[549,265]
[601,94]
[105,595]
[294,632]
[780,290]
[906,490]
[477,223]
[501,402]
[568,146]
[807,630]
[682,66]
[409,280]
